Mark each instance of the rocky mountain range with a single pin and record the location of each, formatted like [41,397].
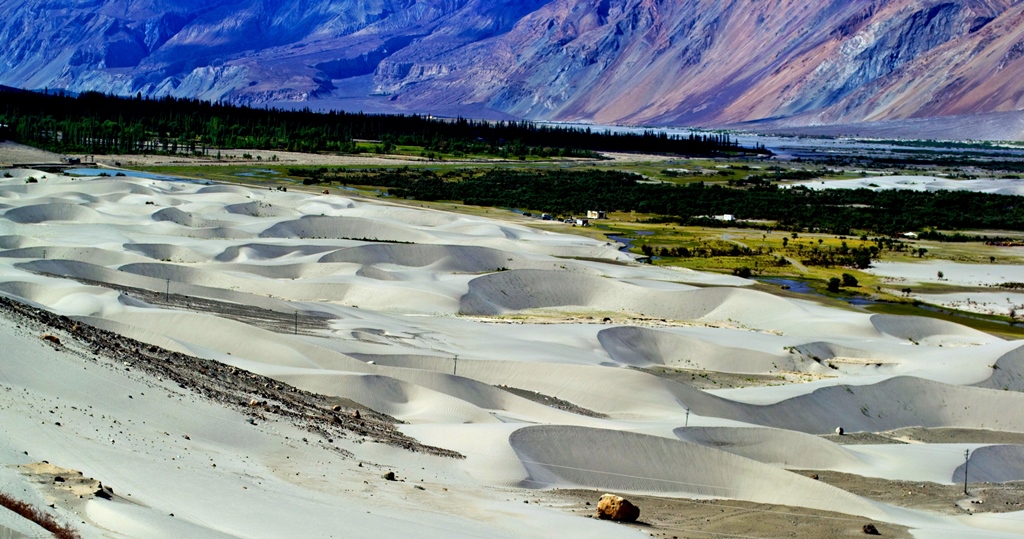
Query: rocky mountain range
[664,62]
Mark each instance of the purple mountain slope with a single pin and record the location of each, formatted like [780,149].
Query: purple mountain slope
[693,62]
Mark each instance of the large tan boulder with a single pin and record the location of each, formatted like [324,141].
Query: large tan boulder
[612,507]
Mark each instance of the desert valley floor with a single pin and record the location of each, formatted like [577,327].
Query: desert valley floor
[237,362]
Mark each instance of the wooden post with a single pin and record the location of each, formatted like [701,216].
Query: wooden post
[967,454]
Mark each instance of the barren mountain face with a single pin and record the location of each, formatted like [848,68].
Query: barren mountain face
[703,62]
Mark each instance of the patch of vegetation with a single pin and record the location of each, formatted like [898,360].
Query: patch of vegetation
[96,123]
[43,519]
[836,211]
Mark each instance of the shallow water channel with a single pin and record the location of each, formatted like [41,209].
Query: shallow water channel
[802,287]
[627,241]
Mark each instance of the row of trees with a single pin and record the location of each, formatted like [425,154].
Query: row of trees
[96,123]
[838,211]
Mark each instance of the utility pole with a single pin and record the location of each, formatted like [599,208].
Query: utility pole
[967,454]
[455,367]
[167,291]
[296,322]
[687,418]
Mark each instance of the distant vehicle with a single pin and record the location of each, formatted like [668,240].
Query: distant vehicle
[527,214]
[545,216]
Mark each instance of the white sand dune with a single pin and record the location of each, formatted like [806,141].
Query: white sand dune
[643,347]
[448,323]
[411,403]
[779,447]
[182,218]
[265,252]
[830,350]
[356,228]
[1007,372]
[18,242]
[891,404]
[517,290]
[919,328]
[224,189]
[169,252]
[261,209]
[993,464]
[556,455]
[520,290]
[80,270]
[43,213]
[419,397]
[92,298]
[92,255]
[253,491]
[327,205]
[186,274]
[441,258]
[411,216]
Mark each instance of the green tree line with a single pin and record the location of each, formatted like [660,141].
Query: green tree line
[837,211]
[96,123]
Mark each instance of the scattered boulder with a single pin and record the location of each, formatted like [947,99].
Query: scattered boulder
[870,529]
[840,431]
[390,476]
[355,414]
[617,508]
[51,338]
[335,408]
